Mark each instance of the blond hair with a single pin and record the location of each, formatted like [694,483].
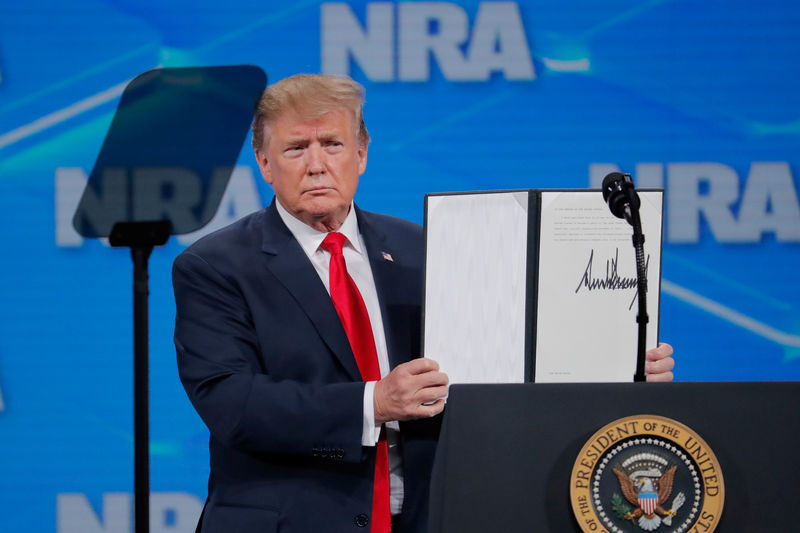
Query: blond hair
[310,96]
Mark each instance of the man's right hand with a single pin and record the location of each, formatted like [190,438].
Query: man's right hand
[415,389]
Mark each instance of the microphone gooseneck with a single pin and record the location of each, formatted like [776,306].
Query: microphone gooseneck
[623,201]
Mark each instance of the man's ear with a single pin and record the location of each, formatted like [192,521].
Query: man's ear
[263,164]
[362,158]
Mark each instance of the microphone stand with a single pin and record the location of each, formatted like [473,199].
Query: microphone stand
[642,318]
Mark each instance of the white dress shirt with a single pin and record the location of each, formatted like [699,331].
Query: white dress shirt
[355,256]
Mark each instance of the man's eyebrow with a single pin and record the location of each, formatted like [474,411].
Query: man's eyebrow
[329,136]
[297,140]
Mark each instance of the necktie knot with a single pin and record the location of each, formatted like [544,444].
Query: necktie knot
[333,243]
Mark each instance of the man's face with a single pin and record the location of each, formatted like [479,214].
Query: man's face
[314,165]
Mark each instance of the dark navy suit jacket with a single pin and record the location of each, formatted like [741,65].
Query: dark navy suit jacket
[266,363]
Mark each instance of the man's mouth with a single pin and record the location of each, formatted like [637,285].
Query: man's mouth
[319,190]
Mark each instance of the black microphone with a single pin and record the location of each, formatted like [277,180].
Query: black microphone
[620,195]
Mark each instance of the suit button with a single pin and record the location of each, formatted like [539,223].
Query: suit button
[362,520]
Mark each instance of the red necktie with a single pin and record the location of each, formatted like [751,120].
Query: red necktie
[353,314]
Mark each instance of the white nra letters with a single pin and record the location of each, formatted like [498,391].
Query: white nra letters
[240,198]
[709,191]
[400,41]
[170,512]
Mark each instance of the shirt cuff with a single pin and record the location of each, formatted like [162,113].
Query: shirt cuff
[369,431]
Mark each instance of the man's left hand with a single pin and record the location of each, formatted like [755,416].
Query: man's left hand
[660,363]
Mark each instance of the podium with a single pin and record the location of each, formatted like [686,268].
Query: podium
[506,452]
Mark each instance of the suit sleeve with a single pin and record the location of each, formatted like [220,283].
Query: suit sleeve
[241,403]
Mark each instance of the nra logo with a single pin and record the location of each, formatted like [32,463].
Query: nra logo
[398,42]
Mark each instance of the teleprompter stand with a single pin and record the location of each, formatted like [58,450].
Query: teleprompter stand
[506,452]
[162,170]
[141,237]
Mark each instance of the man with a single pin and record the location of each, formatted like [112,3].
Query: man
[277,365]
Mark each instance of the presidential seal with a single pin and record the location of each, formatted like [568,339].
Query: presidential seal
[646,473]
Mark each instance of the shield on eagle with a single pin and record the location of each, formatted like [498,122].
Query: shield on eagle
[648,501]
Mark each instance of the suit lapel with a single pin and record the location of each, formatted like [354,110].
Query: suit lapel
[289,264]
[386,275]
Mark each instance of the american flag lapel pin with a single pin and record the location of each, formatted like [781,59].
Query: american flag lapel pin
[387,257]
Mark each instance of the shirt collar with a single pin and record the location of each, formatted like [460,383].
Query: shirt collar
[310,239]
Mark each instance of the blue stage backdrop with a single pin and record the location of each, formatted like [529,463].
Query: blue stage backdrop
[697,97]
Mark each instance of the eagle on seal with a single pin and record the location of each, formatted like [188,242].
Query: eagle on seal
[648,496]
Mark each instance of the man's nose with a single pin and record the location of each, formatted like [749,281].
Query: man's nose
[316,159]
